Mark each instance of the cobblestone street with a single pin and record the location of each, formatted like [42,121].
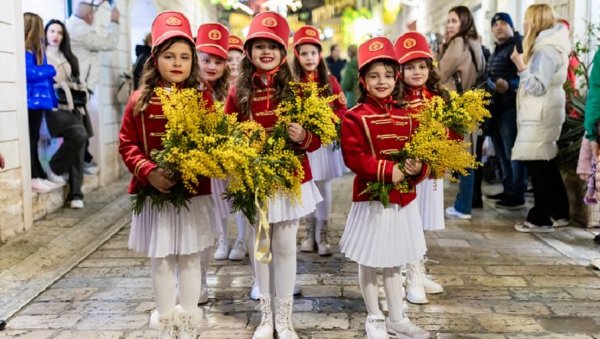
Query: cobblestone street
[498,283]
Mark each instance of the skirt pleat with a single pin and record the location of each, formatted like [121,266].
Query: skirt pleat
[283,208]
[430,199]
[326,163]
[383,237]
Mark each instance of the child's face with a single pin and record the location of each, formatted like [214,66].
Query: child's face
[380,80]
[175,64]
[415,73]
[266,54]
[235,58]
[211,67]
[308,56]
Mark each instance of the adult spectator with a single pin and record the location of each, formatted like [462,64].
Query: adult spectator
[40,97]
[67,121]
[87,44]
[350,77]
[591,120]
[335,62]
[460,63]
[142,53]
[504,81]
[540,114]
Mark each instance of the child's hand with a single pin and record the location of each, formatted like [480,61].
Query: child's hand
[159,178]
[296,132]
[397,175]
[413,166]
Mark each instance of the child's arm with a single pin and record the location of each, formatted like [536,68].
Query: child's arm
[131,145]
[303,139]
[358,156]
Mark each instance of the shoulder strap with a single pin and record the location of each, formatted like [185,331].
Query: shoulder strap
[472,52]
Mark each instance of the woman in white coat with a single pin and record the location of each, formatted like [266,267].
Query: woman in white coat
[540,114]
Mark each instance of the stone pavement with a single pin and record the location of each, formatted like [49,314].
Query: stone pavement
[498,283]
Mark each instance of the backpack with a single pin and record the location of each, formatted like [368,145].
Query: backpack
[125,88]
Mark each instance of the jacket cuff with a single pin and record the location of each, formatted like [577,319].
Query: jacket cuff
[384,170]
[308,138]
[143,169]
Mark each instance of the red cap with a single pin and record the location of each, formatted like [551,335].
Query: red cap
[307,35]
[410,46]
[213,38]
[170,24]
[235,42]
[269,25]
[378,48]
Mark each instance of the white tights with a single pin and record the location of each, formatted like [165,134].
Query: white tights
[241,227]
[278,277]
[324,207]
[163,281]
[392,283]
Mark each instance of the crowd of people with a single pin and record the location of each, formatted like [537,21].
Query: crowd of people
[380,90]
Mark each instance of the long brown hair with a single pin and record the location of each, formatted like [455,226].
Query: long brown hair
[221,86]
[151,76]
[467,27]
[322,71]
[539,17]
[398,88]
[34,35]
[65,47]
[245,87]
[433,83]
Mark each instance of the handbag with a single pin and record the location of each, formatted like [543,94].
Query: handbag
[79,97]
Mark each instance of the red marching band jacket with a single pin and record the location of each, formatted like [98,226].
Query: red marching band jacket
[370,132]
[414,99]
[339,104]
[142,134]
[262,111]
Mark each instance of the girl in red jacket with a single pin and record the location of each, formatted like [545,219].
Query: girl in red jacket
[376,236]
[325,163]
[173,239]
[262,84]
[421,82]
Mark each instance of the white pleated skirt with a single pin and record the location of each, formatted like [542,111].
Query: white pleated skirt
[283,208]
[222,208]
[326,163]
[430,199]
[383,237]
[161,233]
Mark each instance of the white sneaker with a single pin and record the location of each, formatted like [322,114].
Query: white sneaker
[415,290]
[222,251]
[527,227]
[453,213]
[375,327]
[595,263]
[255,291]
[238,251]
[431,286]
[40,186]
[405,329]
[77,204]
[560,222]
[55,178]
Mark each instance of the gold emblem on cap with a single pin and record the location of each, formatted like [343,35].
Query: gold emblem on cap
[311,32]
[173,21]
[376,46]
[214,34]
[269,22]
[234,40]
[409,43]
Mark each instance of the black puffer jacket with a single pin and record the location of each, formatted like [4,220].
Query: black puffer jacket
[500,66]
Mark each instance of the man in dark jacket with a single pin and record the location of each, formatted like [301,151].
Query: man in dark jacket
[504,81]
[335,62]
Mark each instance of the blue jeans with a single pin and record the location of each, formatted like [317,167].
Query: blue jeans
[504,134]
[464,198]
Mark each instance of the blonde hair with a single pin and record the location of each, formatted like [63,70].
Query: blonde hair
[539,17]
[34,35]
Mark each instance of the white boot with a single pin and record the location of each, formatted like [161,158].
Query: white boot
[415,290]
[188,323]
[265,329]
[166,324]
[375,327]
[308,243]
[203,287]
[283,318]
[321,238]
[431,286]
[405,329]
